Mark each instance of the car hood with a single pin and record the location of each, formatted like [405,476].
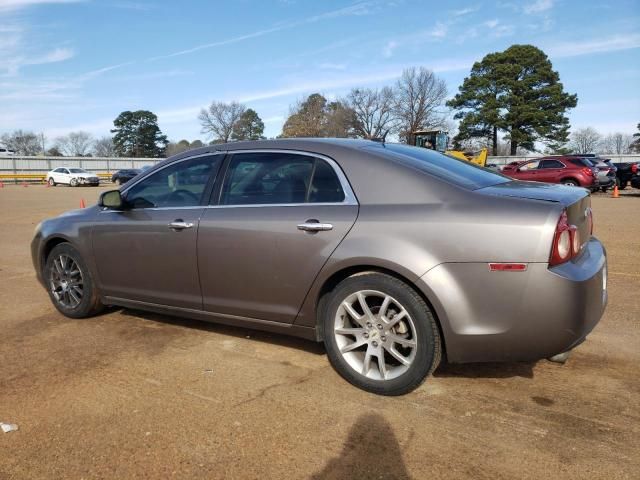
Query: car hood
[563,194]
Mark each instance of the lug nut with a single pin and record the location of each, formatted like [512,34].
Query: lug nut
[375,344]
[369,324]
[383,338]
[366,335]
[379,326]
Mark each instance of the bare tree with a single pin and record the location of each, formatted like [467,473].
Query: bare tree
[21,142]
[103,147]
[419,96]
[219,119]
[75,144]
[616,143]
[373,110]
[585,140]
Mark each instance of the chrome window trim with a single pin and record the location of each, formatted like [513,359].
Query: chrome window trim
[349,196]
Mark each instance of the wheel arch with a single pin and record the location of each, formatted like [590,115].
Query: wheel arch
[48,246]
[335,278]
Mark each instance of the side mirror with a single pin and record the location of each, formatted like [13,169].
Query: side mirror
[111,200]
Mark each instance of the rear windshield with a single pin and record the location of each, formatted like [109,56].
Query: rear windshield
[459,172]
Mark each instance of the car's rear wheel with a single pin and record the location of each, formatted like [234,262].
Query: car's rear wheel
[570,182]
[117,181]
[380,335]
[69,283]
[52,182]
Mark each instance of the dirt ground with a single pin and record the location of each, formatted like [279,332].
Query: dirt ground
[134,395]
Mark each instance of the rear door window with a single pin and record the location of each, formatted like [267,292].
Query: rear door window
[551,164]
[265,178]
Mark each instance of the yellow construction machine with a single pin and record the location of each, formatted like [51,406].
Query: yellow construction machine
[439,140]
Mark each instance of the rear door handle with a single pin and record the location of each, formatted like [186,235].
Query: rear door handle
[180,225]
[316,226]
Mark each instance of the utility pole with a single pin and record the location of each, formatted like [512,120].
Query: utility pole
[44,151]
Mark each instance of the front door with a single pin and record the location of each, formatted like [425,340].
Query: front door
[147,251]
[277,220]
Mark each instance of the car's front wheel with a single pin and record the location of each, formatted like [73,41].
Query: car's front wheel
[69,283]
[73,182]
[117,181]
[380,335]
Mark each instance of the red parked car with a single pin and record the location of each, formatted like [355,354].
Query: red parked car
[567,170]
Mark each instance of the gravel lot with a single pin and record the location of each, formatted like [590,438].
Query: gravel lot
[135,395]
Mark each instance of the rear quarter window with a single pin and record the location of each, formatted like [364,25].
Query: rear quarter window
[459,172]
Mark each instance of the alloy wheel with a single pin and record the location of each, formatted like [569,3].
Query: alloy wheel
[66,281]
[375,335]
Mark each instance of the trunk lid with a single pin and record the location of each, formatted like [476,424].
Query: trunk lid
[576,200]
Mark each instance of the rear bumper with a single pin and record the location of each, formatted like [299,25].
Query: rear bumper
[517,316]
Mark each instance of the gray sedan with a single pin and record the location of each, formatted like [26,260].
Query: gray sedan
[394,256]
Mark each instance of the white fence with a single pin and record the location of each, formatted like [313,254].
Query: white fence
[17,164]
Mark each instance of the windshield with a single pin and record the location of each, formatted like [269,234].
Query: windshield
[77,170]
[459,172]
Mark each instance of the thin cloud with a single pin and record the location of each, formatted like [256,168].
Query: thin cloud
[611,44]
[358,9]
[388,49]
[12,5]
[464,11]
[539,6]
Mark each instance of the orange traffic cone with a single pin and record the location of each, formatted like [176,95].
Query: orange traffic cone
[615,193]
[82,205]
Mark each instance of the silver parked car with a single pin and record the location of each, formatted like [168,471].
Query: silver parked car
[393,256]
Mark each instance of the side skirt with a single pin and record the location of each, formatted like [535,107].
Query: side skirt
[222,318]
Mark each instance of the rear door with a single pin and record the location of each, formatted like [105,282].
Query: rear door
[550,171]
[274,223]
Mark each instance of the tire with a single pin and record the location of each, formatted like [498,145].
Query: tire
[623,185]
[417,331]
[73,182]
[51,182]
[604,189]
[117,181]
[570,182]
[73,295]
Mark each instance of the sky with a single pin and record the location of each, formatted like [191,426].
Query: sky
[68,65]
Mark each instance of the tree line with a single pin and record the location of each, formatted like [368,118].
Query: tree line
[512,102]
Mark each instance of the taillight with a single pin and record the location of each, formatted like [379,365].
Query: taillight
[587,171]
[566,241]
[634,168]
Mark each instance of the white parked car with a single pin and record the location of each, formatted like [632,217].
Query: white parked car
[4,151]
[72,176]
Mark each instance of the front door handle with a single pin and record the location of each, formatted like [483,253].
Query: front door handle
[314,226]
[180,225]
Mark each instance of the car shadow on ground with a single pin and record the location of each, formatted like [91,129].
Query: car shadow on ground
[370,451]
[485,370]
[467,370]
[237,332]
